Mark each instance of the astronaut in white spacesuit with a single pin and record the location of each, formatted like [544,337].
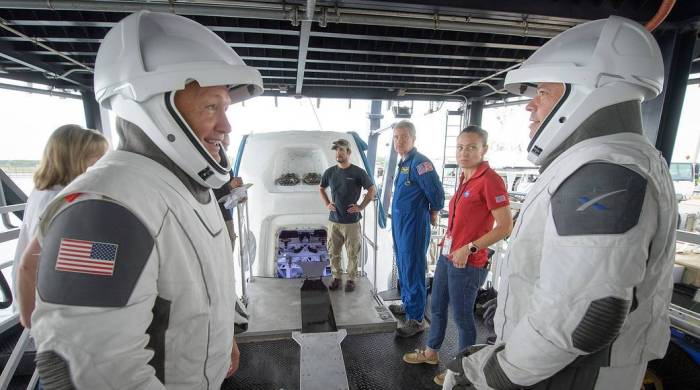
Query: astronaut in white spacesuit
[136,283]
[586,282]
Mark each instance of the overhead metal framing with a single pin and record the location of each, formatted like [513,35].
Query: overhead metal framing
[363,48]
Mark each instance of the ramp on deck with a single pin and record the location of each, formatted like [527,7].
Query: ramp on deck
[275,309]
[372,361]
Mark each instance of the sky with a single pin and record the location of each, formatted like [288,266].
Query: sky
[27,120]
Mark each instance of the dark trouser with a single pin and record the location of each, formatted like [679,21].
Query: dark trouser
[456,288]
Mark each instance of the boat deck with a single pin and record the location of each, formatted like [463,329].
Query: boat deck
[275,310]
[372,361]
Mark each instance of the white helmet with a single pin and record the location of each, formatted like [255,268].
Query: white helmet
[148,56]
[601,63]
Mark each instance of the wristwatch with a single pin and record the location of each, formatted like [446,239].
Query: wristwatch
[472,248]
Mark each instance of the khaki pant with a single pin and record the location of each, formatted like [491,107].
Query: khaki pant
[349,234]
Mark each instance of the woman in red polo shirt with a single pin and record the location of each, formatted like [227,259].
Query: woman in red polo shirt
[481,199]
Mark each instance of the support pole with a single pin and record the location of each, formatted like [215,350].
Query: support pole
[476,110]
[375,247]
[661,115]
[375,116]
[93,116]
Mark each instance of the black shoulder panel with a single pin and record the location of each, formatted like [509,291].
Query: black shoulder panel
[599,198]
[92,255]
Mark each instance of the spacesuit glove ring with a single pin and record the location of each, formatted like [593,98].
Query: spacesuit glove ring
[455,378]
[454,381]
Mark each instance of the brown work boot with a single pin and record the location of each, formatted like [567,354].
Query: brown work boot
[335,284]
[418,356]
[350,286]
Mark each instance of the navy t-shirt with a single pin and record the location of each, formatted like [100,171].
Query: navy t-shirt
[346,186]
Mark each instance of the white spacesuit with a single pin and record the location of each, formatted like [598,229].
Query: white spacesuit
[586,282]
[136,283]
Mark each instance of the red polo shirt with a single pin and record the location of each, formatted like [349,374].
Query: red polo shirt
[470,209]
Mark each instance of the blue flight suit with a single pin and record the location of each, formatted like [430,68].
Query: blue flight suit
[417,192]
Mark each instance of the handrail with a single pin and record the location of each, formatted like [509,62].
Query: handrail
[6,292]
[373,244]
[11,366]
[377,207]
[244,253]
[689,237]
[685,320]
[13,361]
[12,208]
[9,235]
[8,323]
[3,215]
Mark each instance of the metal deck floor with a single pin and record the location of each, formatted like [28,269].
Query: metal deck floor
[275,309]
[372,362]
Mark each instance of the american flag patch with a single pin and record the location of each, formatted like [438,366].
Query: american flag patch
[86,257]
[424,168]
[500,198]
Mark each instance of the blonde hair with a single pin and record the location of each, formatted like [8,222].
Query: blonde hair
[66,155]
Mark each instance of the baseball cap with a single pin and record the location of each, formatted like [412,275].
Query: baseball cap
[341,143]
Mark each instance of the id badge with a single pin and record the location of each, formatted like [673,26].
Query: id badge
[447,246]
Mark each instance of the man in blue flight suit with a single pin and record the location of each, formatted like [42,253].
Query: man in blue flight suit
[418,197]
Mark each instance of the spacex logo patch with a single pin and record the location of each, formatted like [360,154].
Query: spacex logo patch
[586,202]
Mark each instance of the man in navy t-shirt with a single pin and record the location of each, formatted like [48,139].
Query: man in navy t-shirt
[346,182]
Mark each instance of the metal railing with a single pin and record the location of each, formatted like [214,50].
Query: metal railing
[243,250]
[686,320]
[11,366]
[372,242]
[24,340]
[6,210]
[13,231]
